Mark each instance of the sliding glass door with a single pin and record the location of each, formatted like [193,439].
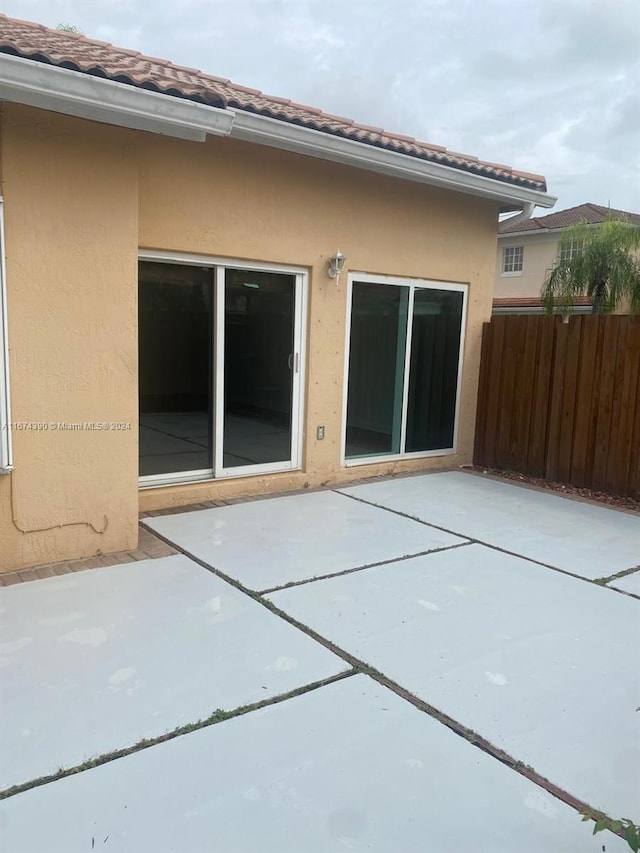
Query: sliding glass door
[175,309]
[219,371]
[258,395]
[405,345]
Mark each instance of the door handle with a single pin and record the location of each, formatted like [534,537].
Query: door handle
[293,362]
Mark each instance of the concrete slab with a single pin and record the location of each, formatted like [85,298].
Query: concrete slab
[587,540]
[538,663]
[347,767]
[269,543]
[629,583]
[95,661]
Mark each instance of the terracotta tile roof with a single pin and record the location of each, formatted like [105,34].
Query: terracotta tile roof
[590,213]
[532,301]
[88,56]
[527,304]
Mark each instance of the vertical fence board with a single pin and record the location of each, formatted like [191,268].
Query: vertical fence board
[556,400]
[617,423]
[541,396]
[495,384]
[580,461]
[526,377]
[623,479]
[633,489]
[597,325]
[568,408]
[483,393]
[507,393]
[603,425]
[562,401]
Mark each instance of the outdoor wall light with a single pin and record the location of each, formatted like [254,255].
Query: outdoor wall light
[336,264]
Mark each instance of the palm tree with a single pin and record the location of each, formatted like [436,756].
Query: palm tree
[597,261]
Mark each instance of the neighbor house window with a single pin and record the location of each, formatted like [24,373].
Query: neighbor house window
[404,365]
[5,433]
[512,259]
[569,251]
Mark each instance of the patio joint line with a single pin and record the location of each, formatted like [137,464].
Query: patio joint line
[364,567]
[218,716]
[359,666]
[452,724]
[472,541]
[623,574]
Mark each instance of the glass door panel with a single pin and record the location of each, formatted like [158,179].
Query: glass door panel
[376,369]
[404,360]
[261,364]
[433,375]
[175,374]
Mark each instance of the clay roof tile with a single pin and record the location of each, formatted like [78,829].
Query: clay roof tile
[592,214]
[63,49]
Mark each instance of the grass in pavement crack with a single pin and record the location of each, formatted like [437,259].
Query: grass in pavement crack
[217,716]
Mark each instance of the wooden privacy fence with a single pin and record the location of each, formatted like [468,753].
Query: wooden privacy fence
[562,400]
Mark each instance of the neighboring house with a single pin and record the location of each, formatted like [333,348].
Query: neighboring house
[174,332]
[528,249]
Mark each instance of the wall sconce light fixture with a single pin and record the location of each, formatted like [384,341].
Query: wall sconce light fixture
[336,264]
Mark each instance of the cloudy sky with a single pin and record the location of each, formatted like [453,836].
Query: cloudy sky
[548,86]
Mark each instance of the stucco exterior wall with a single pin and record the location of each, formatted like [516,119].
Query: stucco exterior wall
[81,198]
[71,201]
[540,252]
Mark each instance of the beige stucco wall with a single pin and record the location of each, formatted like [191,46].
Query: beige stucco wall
[80,198]
[71,211]
[540,252]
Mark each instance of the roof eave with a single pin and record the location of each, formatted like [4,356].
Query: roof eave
[74,93]
[302,140]
[60,90]
[535,231]
[528,232]
[538,309]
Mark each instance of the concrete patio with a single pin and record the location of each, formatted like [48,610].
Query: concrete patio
[440,662]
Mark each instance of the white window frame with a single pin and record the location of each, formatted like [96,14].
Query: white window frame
[513,249]
[412,284]
[568,253]
[218,472]
[6,459]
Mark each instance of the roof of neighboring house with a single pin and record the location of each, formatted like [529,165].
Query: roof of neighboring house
[593,214]
[513,302]
[75,52]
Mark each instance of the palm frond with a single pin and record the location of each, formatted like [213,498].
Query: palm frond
[605,267]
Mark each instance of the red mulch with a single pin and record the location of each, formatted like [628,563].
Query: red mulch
[563,488]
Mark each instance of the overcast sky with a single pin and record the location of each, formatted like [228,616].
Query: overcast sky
[548,86]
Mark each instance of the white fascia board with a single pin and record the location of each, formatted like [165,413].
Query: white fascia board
[60,90]
[302,140]
[75,93]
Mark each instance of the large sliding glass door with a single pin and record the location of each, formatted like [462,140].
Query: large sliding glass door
[220,370]
[405,345]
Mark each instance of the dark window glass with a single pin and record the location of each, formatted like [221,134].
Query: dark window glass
[175,328]
[259,367]
[376,369]
[433,376]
